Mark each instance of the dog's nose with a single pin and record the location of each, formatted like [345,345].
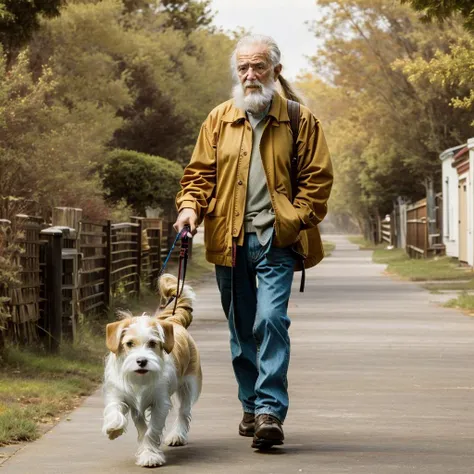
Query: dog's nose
[142,362]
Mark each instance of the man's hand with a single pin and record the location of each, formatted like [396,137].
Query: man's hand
[186,217]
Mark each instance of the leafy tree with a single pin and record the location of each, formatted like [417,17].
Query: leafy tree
[97,75]
[143,180]
[19,19]
[171,86]
[133,5]
[386,131]
[182,15]
[446,70]
[56,120]
[153,76]
[187,15]
[442,9]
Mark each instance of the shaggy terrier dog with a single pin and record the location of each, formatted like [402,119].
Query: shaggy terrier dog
[152,359]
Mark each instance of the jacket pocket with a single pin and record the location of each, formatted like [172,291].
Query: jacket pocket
[214,234]
[287,223]
[215,228]
[212,206]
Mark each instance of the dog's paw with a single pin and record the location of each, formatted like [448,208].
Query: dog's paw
[149,458]
[115,425]
[176,439]
[114,434]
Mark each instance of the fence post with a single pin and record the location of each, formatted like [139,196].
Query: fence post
[54,276]
[108,263]
[67,217]
[426,236]
[430,207]
[415,227]
[139,255]
[392,229]
[159,262]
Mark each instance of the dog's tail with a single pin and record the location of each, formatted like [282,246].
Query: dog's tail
[184,308]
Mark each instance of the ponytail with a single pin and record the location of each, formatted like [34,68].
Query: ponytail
[288,91]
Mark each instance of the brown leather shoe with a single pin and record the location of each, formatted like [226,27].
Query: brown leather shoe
[247,425]
[268,432]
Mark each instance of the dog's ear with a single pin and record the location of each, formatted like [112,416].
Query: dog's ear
[169,336]
[114,334]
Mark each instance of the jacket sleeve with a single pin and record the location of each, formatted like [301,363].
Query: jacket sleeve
[199,178]
[315,176]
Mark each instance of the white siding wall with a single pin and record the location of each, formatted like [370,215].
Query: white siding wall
[450,205]
[470,205]
[467,176]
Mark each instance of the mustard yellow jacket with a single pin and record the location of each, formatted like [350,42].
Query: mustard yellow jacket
[214,183]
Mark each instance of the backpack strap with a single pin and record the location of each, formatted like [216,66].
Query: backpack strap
[294,114]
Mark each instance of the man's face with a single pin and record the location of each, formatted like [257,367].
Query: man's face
[254,68]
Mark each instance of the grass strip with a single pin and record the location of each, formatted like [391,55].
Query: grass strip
[429,269]
[364,244]
[328,247]
[437,268]
[440,286]
[464,301]
[36,388]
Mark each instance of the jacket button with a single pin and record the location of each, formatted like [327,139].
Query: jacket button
[245,153]
[237,213]
[239,182]
[234,231]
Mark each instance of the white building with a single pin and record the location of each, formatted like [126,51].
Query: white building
[458,201]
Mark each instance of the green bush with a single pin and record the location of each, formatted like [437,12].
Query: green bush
[141,180]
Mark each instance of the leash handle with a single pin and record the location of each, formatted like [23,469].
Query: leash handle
[182,265]
[183,235]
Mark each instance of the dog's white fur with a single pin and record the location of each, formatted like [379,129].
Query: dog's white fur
[161,346]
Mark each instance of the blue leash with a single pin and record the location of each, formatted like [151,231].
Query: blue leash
[179,235]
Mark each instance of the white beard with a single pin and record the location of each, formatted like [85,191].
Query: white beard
[256,101]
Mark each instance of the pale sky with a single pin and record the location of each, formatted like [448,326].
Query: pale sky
[284,20]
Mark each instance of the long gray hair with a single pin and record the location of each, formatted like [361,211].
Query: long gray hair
[275,56]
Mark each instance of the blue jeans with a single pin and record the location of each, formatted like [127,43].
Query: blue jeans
[258,323]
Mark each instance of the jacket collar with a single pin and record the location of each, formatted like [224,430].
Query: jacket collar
[278,111]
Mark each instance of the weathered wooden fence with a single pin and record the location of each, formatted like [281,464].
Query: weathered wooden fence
[94,277]
[417,229]
[25,298]
[423,236]
[69,273]
[125,258]
[409,227]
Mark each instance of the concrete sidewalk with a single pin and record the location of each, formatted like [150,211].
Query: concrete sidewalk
[381,381]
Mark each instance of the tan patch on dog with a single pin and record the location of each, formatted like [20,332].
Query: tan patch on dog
[114,333]
[185,352]
[168,331]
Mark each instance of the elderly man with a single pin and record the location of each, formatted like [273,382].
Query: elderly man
[258,229]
